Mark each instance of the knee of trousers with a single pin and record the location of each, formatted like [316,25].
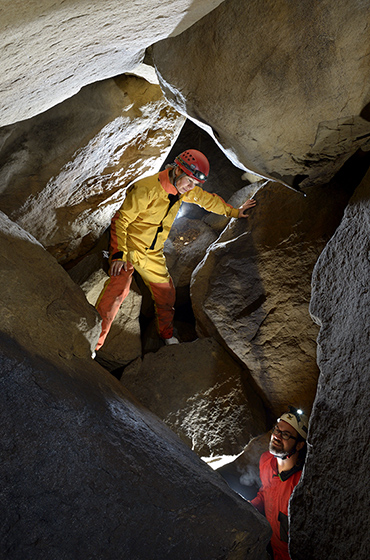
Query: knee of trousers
[164,294]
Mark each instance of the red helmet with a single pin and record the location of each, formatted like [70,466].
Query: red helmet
[195,164]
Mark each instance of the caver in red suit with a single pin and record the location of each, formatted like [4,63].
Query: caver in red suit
[272,500]
[280,471]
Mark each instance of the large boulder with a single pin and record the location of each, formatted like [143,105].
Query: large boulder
[41,307]
[64,173]
[81,457]
[201,393]
[283,87]
[49,50]
[251,292]
[89,473]
[328,515]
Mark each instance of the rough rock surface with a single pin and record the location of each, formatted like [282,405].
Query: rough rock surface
[328,509]
[201,393]
[84,459]
[41,306]
[63,174]
[51,48]
[91,474]
[283,87]
[252,290]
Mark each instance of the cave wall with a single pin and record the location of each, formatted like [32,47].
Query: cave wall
[333,492]
[283,87]
[284,90]
[50,49]
[63,173]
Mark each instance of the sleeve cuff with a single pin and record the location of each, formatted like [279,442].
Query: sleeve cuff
[118,256]
[234,213]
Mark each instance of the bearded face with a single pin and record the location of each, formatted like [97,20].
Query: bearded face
[283,440]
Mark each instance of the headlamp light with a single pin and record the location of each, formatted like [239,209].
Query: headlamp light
[193,170]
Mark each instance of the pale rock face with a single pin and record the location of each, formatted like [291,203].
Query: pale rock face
[63,174]
[198,390]
[336,472]
[282,87]
[252,290]
[41,307]
[50,49]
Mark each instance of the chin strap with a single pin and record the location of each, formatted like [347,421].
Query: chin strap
[293,451]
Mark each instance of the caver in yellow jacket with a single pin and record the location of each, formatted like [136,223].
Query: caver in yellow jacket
[145,210]
[138,232]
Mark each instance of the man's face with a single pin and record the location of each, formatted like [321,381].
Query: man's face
[184,183]
[282,447]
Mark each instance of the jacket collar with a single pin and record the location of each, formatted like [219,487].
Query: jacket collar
[284,475]
[164,179]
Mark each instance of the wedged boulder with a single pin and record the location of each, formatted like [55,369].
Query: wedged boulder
[334,488]
[50,50]
[41,307]
[89,473]
[251,292]
[283,88]
[198,390]
[64,173]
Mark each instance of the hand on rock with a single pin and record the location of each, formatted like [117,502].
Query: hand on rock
[248,204]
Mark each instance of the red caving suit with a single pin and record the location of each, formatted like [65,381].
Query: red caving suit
[273,499]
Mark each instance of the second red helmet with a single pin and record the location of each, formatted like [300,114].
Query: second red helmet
[194,163]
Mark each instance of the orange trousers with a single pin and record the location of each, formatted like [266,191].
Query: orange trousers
[153,270]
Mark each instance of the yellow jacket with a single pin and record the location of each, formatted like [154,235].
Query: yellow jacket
[145,219]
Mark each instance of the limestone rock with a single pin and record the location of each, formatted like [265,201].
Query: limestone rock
[282,87]
[201,393]
[334,486]
[41,307]
[251,292]
[50,50]
[89,473]
[64,173]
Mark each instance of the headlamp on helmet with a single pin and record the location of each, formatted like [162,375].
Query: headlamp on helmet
[297,419]
[194,163]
